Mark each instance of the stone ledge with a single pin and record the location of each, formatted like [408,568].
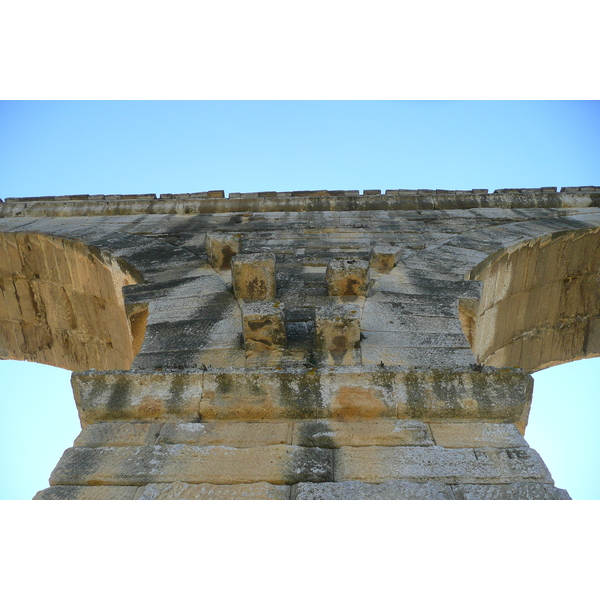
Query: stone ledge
[357,490]
[87,492]
[215,201]
[280,393]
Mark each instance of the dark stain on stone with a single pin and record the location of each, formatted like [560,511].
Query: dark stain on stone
[309,464]
[316,434]
[119,397]
[175,399]
[301,394]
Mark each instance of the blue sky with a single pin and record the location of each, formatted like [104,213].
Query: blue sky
[54,148]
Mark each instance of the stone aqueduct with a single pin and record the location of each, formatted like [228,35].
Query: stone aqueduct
[302,345]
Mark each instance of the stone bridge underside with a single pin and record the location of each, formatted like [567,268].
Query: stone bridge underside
[302,345]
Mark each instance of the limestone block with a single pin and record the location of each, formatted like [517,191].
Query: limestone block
[264,326]
[87,492]
[325,433]
[226,433]
[347,277]
[477,435]
[445,465]
[279,465]
[358,490]
[338,327]
[118,434]
[221,248]
[117,395]
[207,491]
[253,276]
[262,394]
[359,395]
[383,259]
[521,490]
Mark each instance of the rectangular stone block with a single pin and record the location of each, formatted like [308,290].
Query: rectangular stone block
[221,248]
[264,326]
[521,490]
[383,259]
[326,433]
[338,327]
[358,490]
[226,433]
[118,434]
[477,435]
[279,465]
[445,465]
[262,395]
[118,395]
[348,277]
[207,491]
[359,395]
[87,492]
[254,276]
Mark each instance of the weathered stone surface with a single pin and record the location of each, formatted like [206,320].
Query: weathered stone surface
[326,433]
[264,326]
[87,492]
[521,490]
[383,258]
[221,248]
[357,490]
[445,465]
[348,277]
[280,465]
[206,491]
[254,276]
[338,328]
[227,433]
[118,434]
[477,435]
[139,396]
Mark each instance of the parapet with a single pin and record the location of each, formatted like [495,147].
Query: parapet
[216,201]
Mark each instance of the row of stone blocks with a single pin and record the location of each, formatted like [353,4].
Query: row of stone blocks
[313,459]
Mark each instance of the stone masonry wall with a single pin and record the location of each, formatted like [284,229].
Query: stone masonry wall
[309,345]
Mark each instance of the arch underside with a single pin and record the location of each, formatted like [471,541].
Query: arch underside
[61,304]
[540,304]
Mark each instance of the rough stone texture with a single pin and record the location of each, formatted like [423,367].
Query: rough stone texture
[334,434]
[510,491]
[279,464]
[348,277]
[264,326]
[118,434]
[221,248]
[460,295]
[227,433]
[477,435]
[357,490]
[254,276]
[87,492]
[206,491]
[479,465]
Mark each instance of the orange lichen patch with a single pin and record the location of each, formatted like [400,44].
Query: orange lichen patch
[355,402]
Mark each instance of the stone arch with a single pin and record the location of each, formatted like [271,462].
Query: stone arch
[540,303]
[61,303]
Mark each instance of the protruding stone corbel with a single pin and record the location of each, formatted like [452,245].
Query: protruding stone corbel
[221,248]
[348,277]
[264,326]
[253,276]
[383,259]
[338,327]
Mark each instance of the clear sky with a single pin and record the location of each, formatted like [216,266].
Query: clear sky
[55,148]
